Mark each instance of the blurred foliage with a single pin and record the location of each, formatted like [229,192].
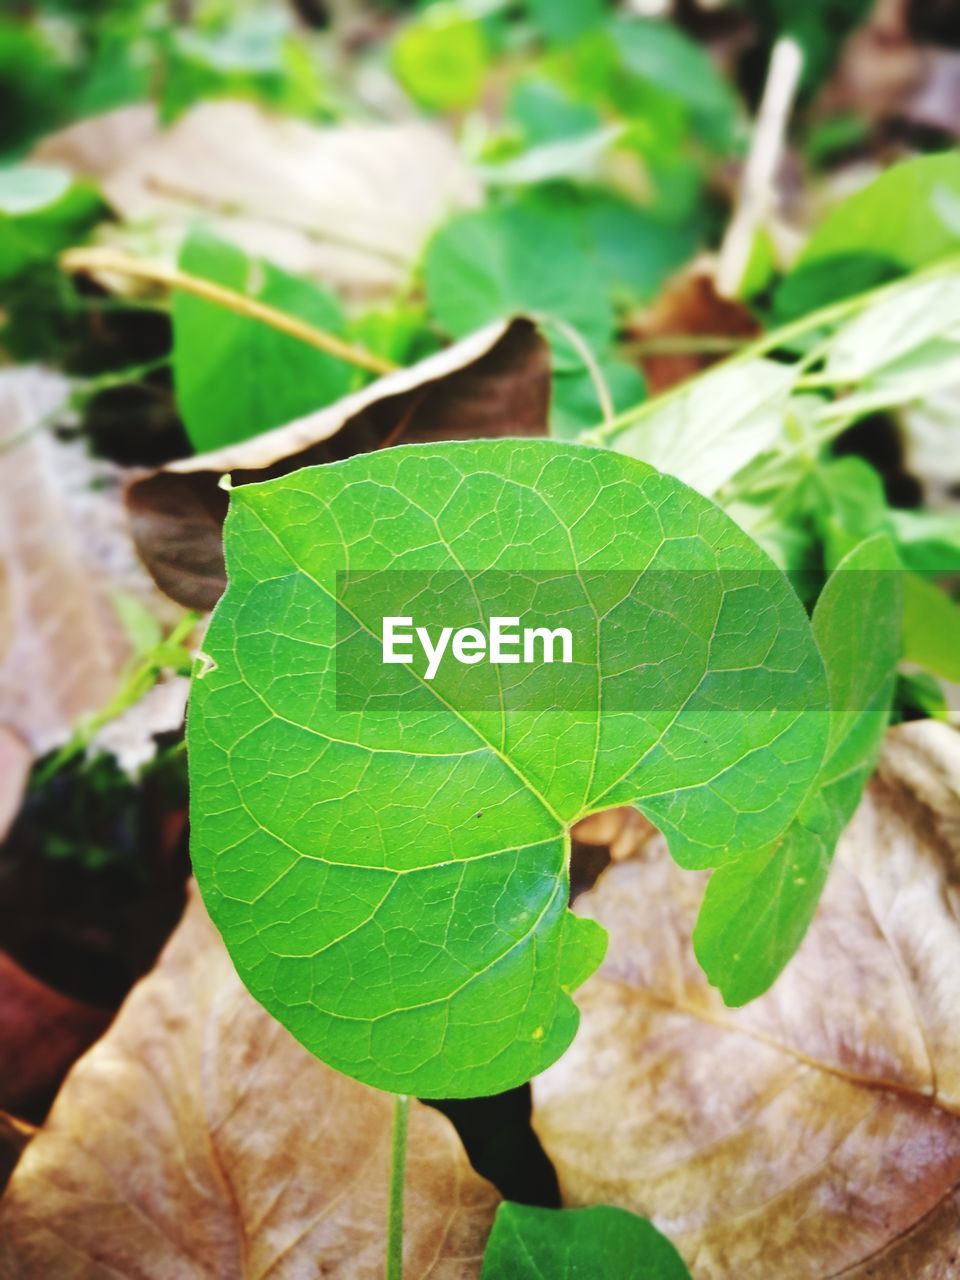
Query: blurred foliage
[606,148]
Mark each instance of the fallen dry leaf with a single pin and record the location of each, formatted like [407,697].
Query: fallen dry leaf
[349,205]
[15,760]
[690,307]
[42,1033]
[14,1136]
[886,72]
[496,382]
[97,146]
[63,546]
[199,1140]
[816,1132]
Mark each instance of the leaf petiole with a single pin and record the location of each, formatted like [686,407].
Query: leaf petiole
[398,1172]
[111,261]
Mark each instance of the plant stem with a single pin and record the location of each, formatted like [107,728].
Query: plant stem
[109,260]
[398,1172]
[831,314]
[140,679]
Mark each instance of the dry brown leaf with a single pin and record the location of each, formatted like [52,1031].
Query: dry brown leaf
[199,1140]
[61,644]
[623,830]
[816,1132]
[885,73]
[15,760]
[494,383]
[14,1136]
[42,1033]
[350,205]
[690,307]
[97,146]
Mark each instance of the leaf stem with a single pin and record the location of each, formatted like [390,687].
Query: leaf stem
[398,1172]
[110,260]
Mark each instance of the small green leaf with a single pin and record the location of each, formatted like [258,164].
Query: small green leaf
[895,225]
[928,541]
[525,258]
[527,1243]
[386,854]
[567,21]
[714,426]
[441,59]
[931,628]
[757,908]
[30,188]
[236,376]
[662,55]
[545,113]
[42,210]
[575,403]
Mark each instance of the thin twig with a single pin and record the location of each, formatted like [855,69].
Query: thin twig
[111,261]
[760,173]
[684,344]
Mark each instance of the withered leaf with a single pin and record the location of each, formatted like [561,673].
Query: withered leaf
[64,549]
[197,1139]
[494,383]
[42,1032]
[15,760]
[816,1132]
[349,205]
[14,1136]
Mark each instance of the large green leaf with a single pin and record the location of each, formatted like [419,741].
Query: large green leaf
[385,853]
[236,376]
[757,908]
[527,1243]
[902,221]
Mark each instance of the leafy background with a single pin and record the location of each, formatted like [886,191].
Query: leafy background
[475,220]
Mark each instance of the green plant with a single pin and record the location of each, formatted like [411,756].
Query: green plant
[386,854]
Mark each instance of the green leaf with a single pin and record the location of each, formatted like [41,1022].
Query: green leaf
[633,251]
[236,376]
[545,113]
[441,59]
[850,506]
[662,55]
[567,21]
[575,402]
[928,541]
[527,1243]
[931,628]
[42,210]
[386,854]
[898,224]
[713,426]
[885,334]
[524,258]
[819,26]
[757,909]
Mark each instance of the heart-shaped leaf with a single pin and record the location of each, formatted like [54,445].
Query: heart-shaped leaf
[528,1243]
[385,850]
